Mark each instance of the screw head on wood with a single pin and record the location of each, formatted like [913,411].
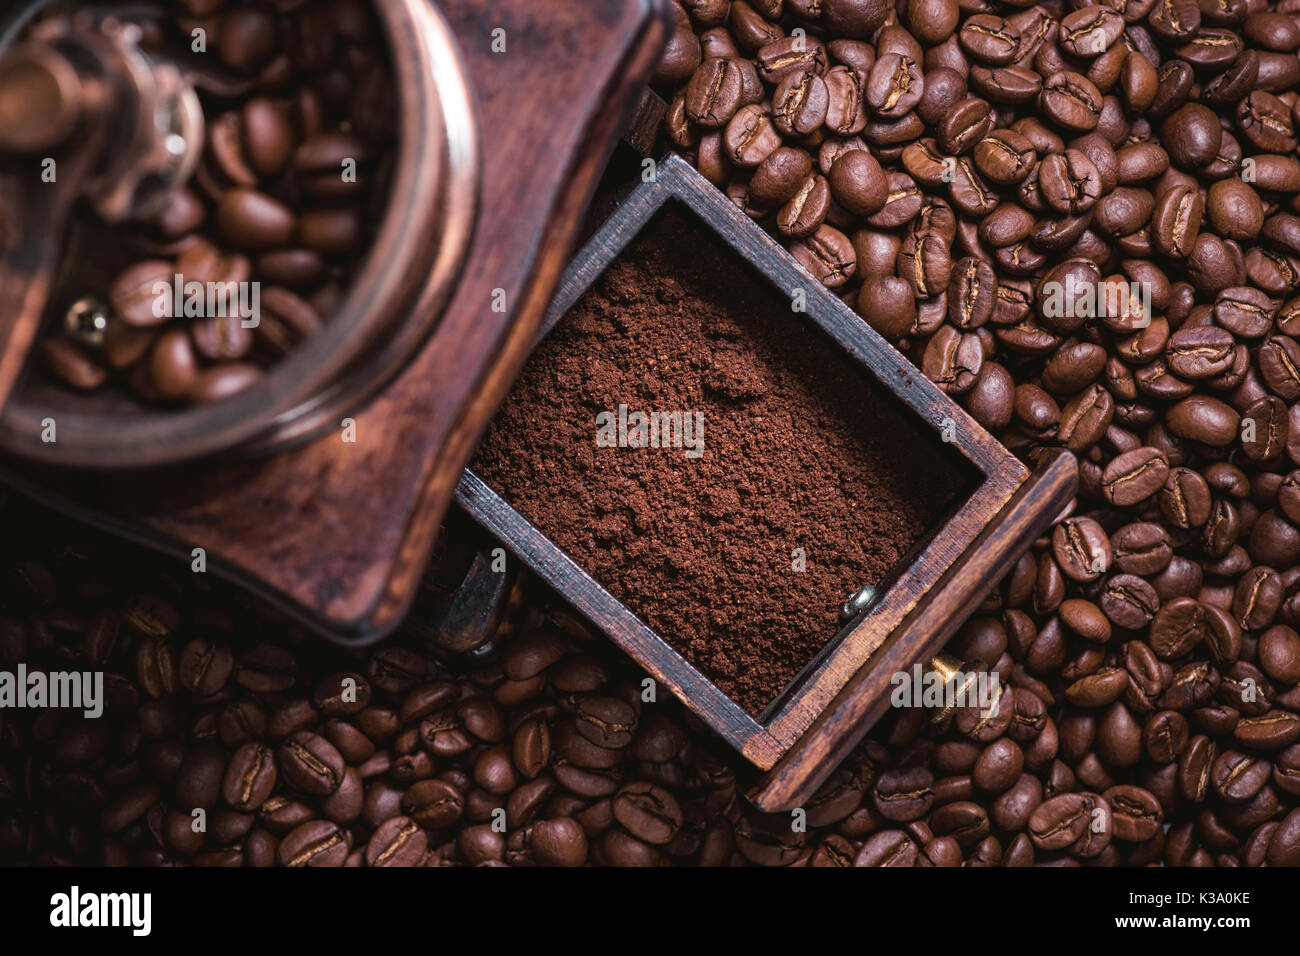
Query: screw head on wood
[86,321]
[857,604]
[961,683]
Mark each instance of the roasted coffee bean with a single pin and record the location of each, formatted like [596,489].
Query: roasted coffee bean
[1237,777]
[782,57]
[714,93]
[972,286]
[1194,769]
[1165,736]
[315,843]
[1192,135]
[1141,162]
[963,125]
[649,812]
[1098,689]
[558,842]
[1265,121]
[991,400]
[395,670]
[894,86]
[433,804]
[1200,353]
[266,669]
[1141,548]
[969,193]
[902,203]
[1071,101]
[1006,225]
[252,220]
[399,841]
[1178,627]
[494,771]
[1192,686]
[1129,601]
[779,176]
[1176,221]
[133,296]
[750,137]
[799,104]
[1257,598]
[155,663]
[964,820]
[200,776]
[944,87]
[1135,813]
[989,39]
[250,777]
[1286,769]
[1279,654]
[846,109]
[72,366]
[887,303]
[1134,476]
[904,795]
[342,694]
[807,209]
[858,183]
[606,722]
[887,848]
[1085,619]
[1273,730]
[827,255]
[1069,182]
[1082,549]
[1123,211]
[204,668]
[952,360]
[925,263]
[1085,418]
[1059,822]
[311,763]
[1090,31]
[1004,157]
[1204,419]
[1279,364]
[532,747]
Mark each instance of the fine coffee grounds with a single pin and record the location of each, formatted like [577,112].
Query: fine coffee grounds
[801,451]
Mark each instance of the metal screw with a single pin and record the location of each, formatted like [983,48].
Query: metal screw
[86,320]
[857,604]
[961,683]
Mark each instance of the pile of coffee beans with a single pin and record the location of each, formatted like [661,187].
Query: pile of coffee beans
[231,738]
[286,198]
[1080,221]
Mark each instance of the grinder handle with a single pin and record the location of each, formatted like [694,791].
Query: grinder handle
[41,104]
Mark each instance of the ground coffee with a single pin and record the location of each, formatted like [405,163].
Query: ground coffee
[802,455]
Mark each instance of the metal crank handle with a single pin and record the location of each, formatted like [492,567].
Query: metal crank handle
[84,114]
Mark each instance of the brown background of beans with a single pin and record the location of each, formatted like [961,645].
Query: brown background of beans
[970,158]
[1147,644]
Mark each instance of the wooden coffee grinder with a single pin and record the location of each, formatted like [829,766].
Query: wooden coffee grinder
[507,113]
